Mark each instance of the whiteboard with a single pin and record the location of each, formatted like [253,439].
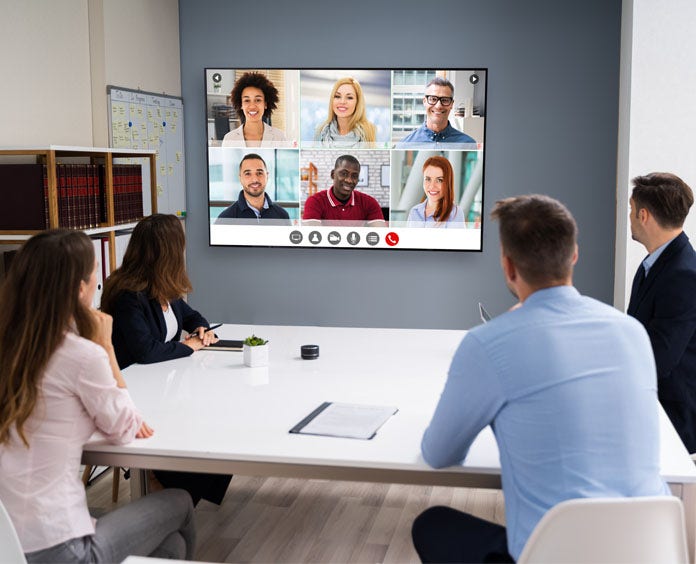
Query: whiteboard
[145,120]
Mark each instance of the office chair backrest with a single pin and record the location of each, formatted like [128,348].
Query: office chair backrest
[10,549]
[618,530]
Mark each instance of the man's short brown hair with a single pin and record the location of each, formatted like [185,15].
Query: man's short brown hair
[539,234]
[666,196]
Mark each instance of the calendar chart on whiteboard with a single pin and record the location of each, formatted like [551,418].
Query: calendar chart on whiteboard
[145,120]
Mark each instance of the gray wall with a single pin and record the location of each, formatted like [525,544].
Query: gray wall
[552,115]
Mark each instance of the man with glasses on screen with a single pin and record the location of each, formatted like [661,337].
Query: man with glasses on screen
[253,202]
[438,102]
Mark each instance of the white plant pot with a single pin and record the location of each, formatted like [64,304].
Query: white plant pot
[255,356]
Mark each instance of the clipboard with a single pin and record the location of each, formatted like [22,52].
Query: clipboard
[351,421]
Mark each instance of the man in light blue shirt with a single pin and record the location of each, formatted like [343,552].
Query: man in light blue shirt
[567,384]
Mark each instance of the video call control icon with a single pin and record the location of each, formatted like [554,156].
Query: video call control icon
[474,78]
[334,238]
[392,239]
[353,238]
[315,237]
[296,237]
[372,238]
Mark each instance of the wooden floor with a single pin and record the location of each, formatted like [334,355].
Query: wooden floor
[292,520]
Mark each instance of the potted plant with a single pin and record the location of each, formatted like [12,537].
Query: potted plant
[255,350]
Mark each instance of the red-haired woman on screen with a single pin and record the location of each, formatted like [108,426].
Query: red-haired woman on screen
[437,208]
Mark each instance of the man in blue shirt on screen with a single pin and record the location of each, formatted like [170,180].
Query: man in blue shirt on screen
[438,102]
[567,383]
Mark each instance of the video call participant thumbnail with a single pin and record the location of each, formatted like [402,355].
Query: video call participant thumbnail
[438,101]
[253,202]
[342,202]
[254,98]
[347,124]
[437,208]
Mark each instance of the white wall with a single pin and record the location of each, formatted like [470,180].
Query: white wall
[59,55]
[657,123]
[45,73]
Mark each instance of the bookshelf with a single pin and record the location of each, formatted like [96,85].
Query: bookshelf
[50,156]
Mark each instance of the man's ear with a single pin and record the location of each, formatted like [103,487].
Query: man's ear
[508,267]
[575,255]
[643,215]
[332,174]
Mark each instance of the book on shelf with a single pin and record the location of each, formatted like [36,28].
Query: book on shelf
[23,203]
[80,191]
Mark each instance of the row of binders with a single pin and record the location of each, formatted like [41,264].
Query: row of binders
[101,253]
[81,193]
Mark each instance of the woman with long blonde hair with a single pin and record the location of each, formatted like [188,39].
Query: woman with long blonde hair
[60,382]
[347,124]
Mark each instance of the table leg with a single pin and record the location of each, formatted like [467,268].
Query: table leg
[689,501]
[138,483]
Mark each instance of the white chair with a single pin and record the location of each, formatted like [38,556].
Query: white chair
[617,530]
[10,549]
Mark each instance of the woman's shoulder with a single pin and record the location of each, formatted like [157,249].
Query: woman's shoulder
[456,215]
[233,137]
[418,208]
[126,298]
[271,133]
[79,349]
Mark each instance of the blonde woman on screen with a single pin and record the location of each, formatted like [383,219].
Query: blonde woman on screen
[347,124]
[437,208]
[59,382]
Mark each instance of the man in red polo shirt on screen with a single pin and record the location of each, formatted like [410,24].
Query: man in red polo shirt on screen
[342,202]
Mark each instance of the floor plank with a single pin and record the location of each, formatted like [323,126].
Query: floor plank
[293,520]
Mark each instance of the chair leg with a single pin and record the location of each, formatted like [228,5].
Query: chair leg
[86,473]
[115,484]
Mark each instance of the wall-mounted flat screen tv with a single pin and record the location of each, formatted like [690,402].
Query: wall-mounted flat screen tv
[346,158]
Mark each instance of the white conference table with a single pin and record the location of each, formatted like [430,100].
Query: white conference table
[213,414]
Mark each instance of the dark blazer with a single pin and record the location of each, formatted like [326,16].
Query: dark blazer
[241,210]
[665,303]
[139,329]
[138,336]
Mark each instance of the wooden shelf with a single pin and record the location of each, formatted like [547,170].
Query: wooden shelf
[48,155]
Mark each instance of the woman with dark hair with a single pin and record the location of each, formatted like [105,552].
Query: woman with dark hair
[254,98]
[437,208]
[347,124]
[145,298]
[59,382]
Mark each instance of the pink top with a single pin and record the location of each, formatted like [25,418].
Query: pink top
[40,486]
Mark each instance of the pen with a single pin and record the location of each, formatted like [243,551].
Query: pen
[208,329]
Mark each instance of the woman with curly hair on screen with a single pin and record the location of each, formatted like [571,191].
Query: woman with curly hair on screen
[254,98]
[347,124]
